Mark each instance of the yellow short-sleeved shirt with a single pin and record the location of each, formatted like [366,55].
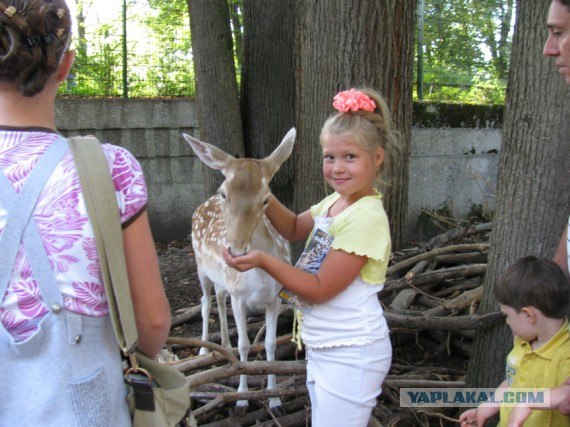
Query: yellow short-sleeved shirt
[362,229]
[547,367]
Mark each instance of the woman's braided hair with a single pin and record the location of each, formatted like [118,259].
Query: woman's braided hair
[370,129]
[34,34]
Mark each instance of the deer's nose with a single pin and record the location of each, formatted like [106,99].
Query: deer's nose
[236,251]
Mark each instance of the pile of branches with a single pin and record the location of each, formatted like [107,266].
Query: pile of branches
[429,300]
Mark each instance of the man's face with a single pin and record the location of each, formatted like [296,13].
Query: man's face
[558,43]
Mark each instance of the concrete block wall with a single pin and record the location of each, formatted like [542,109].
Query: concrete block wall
[452,167]
[152,131]
[457,166]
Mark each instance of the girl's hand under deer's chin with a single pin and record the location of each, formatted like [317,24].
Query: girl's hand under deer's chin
[243,262]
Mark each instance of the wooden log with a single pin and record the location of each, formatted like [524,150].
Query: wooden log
[462,258]
[222,398]
[404,383]
[459,233]
[247,368]
[442,240]
[465,299]
[479,247]
[450,323]
[436,276]
[296,419]
[403,300]
[459,286]
[210,359]
[290,407]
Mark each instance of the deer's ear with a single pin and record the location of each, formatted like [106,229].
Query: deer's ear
[281,153]
[210,155]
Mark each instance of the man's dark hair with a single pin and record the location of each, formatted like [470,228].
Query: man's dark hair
[535,282]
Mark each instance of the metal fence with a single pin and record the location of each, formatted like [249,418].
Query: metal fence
[453,59]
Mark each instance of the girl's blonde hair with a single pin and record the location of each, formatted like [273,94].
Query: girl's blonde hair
[369,129]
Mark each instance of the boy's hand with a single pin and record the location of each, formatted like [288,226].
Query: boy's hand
[518,415]
[469,418]
[476,417]
[564,406]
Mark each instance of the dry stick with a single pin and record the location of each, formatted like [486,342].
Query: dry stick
[405,383]
[293,419]
[217,336]
[209,359]
[462,285]
[251,417]
[222,398]
[195,342]
[187,315]
[443,239]
[462,258]
[436,276]
[463,300]
[450,235]
[450,323]
[440,416]
[479,247]
[246,368]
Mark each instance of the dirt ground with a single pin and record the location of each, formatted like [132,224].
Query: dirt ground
[178,269]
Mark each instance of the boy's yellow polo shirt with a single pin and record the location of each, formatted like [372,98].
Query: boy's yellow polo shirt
[547,367]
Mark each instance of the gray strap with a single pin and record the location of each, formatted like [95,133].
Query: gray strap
[20,227]
[101,202]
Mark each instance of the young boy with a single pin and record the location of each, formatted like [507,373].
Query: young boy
[534,294]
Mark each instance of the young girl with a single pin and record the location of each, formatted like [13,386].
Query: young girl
[347,339]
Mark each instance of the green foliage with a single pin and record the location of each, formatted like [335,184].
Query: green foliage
[465,49]
[159,59]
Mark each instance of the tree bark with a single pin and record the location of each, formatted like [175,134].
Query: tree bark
[216,83]
[533,196]
[268,84]
[342,44]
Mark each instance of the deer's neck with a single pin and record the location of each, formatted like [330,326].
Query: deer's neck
[262,239]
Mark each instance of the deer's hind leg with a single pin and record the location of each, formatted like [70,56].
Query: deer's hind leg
[221,301]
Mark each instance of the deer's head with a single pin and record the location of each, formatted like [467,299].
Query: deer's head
[245,191]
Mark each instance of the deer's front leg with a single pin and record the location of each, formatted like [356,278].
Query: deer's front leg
[240,316]
[206,285]
[271,315]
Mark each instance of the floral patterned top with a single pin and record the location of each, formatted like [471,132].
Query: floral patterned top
[64,228]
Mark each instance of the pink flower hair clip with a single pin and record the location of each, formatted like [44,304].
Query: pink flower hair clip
[353,100]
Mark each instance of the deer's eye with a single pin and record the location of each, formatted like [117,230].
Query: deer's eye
[222,194]
[266,202]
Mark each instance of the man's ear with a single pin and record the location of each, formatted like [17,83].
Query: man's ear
[529,314]
[66,63]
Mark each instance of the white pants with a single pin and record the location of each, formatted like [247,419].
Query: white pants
[344,382]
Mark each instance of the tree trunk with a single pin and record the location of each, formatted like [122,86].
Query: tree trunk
[268,84]
[533,196]
[348,43]
[216,83]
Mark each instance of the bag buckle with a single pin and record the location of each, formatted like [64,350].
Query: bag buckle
[141,382]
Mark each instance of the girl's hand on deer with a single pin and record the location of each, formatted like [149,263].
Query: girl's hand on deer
[243,262]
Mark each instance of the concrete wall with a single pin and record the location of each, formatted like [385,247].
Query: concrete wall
[448,165]
[452,167]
